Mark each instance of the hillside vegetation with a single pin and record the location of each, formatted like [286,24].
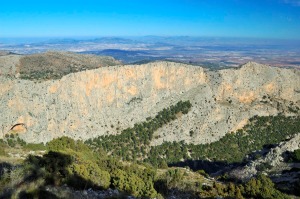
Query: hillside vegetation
[54,65]
[73,164]
[132,163]
[133,143]
[234,147]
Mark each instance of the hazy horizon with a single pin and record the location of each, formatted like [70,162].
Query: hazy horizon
[212,51]
[32,39]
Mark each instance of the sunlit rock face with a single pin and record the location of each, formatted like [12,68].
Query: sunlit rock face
[107,100]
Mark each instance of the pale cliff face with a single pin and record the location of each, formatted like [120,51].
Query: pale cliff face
[228,98]
[100,101]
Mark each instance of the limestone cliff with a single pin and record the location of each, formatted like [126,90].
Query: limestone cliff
[106,100]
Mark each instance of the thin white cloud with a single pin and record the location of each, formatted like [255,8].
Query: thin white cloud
[292,2]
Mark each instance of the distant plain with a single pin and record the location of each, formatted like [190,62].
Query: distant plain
[206,51]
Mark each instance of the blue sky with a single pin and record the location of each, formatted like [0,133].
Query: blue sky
[220,18]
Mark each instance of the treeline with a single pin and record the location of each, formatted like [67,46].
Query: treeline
[73,163]
[233,147]
[133,143]
[13,141]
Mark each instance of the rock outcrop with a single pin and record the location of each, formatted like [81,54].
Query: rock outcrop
[106,100]
[274,159]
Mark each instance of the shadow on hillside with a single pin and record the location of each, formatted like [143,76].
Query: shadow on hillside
[215,168]
[212,168]
[30,179]
[4,166]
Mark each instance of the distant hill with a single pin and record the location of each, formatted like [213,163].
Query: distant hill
[126,56]
[3,53]
[54,65]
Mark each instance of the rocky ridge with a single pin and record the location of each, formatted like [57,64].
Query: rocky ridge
[274,159]
[106,100]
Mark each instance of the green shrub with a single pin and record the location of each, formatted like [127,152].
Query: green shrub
[35,147]
[2,151]
[61,144]
[203,173]
[2,148]
[262,187]
[91,173]
[65,143]
[132,184]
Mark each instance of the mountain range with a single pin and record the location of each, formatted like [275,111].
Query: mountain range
[89,97]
